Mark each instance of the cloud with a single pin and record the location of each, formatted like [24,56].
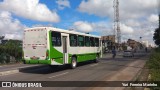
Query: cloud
[30,9]
[136,9]
[62,4]
[13,36]
[102,27]
[153,18]
[99,27]
[128,8]
[83,26]
[137,17]
[133,23]
[97,7]
[126,29]
[9,27]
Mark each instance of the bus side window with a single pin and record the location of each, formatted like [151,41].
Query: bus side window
[87,41]
[56,38]
[97,42]
[80,40]
[92,41]
[73,40]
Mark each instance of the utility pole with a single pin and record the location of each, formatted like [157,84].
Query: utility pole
[117,31]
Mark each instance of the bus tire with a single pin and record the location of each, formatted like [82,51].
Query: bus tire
[97,59]
[73,63]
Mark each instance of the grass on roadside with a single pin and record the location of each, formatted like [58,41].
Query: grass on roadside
[154,67]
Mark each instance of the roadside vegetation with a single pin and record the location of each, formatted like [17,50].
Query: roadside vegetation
[10,52]
[154,65]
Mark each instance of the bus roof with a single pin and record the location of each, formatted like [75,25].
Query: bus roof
[63,31]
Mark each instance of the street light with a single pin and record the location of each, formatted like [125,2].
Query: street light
[140,42]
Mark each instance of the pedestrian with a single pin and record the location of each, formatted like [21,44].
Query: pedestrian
[113,52]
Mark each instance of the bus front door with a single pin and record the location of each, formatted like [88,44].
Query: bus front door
[65,51]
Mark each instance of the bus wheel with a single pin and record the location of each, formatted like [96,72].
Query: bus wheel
[97,59]
[73,63]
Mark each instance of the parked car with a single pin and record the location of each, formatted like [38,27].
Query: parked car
[128,53]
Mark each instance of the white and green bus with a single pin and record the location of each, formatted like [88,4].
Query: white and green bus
[53,46]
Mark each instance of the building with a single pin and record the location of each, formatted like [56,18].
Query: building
[134,44]
[145,43]
[108,42]
[110,38]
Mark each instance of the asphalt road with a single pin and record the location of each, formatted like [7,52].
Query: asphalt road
[16,66]
[88,71]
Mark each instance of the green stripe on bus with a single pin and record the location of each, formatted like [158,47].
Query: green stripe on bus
[53,53]
[83,57]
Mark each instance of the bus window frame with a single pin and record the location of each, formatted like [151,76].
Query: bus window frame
[88,41]
[96,42]
[93,42]
[70,40]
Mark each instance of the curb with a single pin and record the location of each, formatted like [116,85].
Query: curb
[137,75]
[149,77]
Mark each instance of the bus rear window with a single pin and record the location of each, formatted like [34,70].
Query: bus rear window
[35,37]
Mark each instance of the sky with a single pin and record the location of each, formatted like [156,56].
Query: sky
[138,18]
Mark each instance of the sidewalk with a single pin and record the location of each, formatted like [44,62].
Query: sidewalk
[129,73]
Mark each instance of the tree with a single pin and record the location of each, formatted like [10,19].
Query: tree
[14,49]
[156,37]
[10,48]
